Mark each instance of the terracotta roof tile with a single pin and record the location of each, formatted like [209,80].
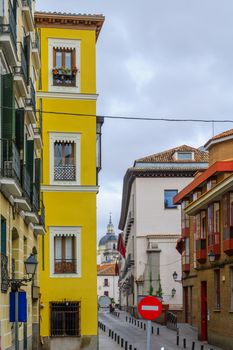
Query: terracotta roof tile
[168,156]
[106,270]
[220,136]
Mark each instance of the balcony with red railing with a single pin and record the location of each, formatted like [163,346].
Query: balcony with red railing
[228,240]
[201,251]
[214,244]
[185,262]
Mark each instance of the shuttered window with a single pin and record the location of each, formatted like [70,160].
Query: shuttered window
[65,319]
[30,158]
[19,128]
[8,113]
[3,236]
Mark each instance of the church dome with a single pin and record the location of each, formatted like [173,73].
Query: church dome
[109,236]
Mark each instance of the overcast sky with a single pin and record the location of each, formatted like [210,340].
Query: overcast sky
[156,58]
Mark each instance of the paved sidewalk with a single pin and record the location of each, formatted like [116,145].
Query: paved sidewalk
[106,343]
[137,336]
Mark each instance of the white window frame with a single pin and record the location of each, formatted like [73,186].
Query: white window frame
[67,44]
[65,137]
[66,231]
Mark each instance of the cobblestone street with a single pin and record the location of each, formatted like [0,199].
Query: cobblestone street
[136,336]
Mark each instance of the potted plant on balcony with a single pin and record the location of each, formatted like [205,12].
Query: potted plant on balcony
[55,71]
[74,70]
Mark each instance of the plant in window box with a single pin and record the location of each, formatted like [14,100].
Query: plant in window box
[55,71]
[74,70]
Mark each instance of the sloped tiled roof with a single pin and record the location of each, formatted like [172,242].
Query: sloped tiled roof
[222,135]
[106,270]
[168,156]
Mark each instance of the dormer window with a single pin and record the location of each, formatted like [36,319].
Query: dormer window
[184,156]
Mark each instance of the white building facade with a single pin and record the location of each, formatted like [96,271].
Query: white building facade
[151,225]
[107,275]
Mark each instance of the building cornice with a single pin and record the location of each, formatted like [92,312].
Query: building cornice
[224,166]
[69,21]
[67,95]
[69,188]
[209,196]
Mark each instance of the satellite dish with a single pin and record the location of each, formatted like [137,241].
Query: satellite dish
[104,301]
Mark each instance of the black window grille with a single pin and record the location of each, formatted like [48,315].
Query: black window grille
[65,319]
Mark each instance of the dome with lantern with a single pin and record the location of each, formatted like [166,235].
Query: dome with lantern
[107,247]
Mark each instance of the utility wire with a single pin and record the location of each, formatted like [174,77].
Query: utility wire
[165,119]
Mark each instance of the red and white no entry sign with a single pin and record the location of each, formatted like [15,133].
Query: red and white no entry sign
[150,308]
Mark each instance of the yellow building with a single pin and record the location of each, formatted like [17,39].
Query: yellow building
[71,155]
[21,209]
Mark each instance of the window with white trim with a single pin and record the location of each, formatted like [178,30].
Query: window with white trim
[64,158]
[65,251]
[64,65]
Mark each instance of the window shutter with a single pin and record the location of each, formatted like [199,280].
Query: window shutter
[3,236]
[30,158]
[19,128]
[8,113]
[38,175]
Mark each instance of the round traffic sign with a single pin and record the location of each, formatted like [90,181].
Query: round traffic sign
[150,308]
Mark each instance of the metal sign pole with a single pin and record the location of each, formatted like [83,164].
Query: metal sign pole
[148,338]
[16,321]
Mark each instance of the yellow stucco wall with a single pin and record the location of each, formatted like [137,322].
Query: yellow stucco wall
[77,209]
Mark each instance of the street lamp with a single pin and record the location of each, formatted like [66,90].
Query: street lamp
[173,292]
[175,275]
[30,267]
[211,256]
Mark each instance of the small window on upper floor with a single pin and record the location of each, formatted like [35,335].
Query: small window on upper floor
[64,158]
[168,199]
[64,68]
[185,155]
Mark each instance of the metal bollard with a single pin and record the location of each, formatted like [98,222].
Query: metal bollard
[202,347]
[112,334]
[109,333]
[130,347]
[135,322]
[126,345]
[184,343]
[118,339]
[126,318]
[144,326]
[177,340]
[115,337]
[158,331]
[122,342]
[193,345]
[152,330]
[141,324]
[138,323]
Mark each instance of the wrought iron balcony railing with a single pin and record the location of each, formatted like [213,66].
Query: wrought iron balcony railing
[36,42]
[65,266]
[27,3]
[10,27]
[26,182]
[10,159]
[4,273]
[24,64]
[35,198]
[65,172]
[42,213]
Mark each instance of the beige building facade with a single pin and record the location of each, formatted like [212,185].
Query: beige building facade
[21,206]
[206,245]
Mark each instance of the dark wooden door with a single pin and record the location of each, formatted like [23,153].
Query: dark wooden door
[186,304]
[203,311]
